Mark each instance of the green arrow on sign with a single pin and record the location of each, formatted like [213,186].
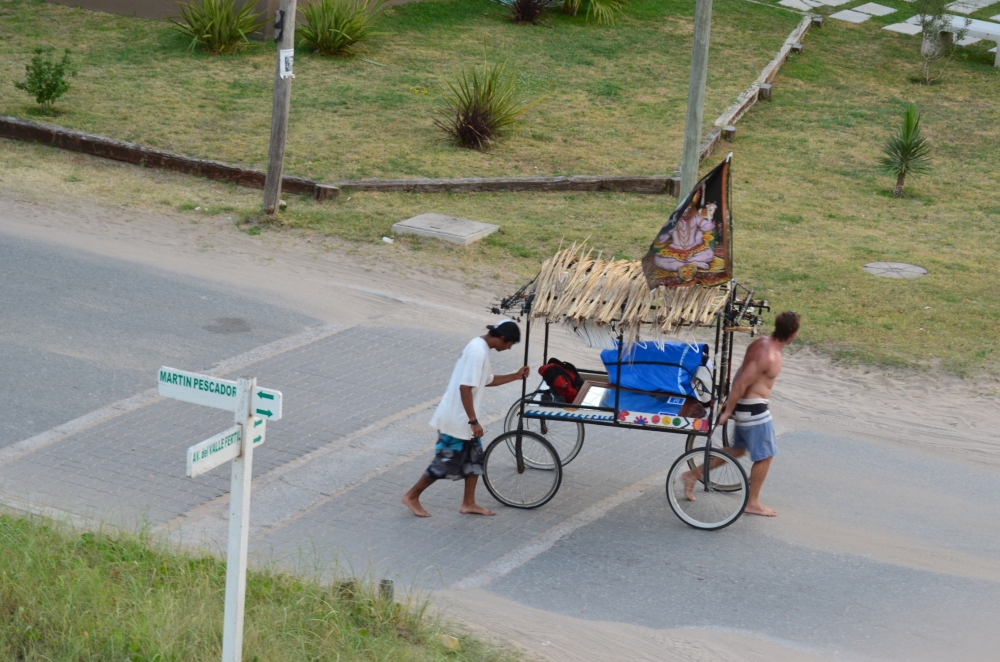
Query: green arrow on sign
[257,440]
[263,412]
[258,422]
[268,396]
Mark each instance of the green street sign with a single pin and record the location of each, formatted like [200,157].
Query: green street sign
[214,392]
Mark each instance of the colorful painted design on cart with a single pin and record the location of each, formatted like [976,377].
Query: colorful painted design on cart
[662,419]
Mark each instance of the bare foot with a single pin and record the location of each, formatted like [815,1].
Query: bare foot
[413,504]
[475,509]
[760,510]
[689,482]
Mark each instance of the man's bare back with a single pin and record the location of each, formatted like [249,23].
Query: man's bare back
[763,357]
[749,394]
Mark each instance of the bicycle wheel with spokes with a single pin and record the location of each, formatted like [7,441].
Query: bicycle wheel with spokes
[725,437]
[708,508]
[532,486]
[565,436]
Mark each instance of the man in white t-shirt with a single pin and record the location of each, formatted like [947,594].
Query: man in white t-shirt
[459,453]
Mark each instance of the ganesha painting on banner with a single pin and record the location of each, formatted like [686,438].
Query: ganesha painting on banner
[693,245]
[687,247]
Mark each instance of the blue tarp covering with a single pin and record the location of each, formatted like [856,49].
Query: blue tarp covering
[647,368]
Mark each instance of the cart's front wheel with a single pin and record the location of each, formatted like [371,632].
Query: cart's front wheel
[711,507]
[532,486]
[726,436]
[565,436]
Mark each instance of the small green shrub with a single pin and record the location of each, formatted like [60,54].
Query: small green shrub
[907,151]
[332,27]
[603,11]
[481,105]
[46,78]
[217,25]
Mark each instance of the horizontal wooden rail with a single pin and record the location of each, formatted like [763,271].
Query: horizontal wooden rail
[119,150]
[623,184]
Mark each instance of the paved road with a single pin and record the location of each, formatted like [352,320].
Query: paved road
[879,553]
[79,331]
[642,566]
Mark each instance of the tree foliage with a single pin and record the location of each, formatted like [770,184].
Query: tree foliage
[46,77]
[604,12]
[936,49]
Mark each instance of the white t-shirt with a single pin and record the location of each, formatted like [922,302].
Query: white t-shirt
[473,369]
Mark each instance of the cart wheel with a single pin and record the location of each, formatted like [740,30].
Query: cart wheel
[533,487]
[712,508]
[565,436]
[727,434]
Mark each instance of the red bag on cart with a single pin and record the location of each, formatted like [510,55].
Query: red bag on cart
[562,378]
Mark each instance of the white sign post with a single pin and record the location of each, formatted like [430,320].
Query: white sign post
[239,528]
[252,407]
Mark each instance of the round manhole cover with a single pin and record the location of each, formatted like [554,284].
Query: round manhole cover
[894,270]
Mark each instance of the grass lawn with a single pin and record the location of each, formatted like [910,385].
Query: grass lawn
[98,597]
[810,204]
[614,97]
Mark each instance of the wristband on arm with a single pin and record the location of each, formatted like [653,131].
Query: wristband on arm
[474,421]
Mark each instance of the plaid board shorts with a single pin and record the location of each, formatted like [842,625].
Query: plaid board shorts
[456,458]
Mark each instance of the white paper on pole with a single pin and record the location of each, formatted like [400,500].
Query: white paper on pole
[214,451]
[214,392]
[286,60]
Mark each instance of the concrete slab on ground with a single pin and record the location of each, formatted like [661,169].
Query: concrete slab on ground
[801,5]
[969,6]
[874,9]
[850,16]
[446,228]
[903,28]
[894,270]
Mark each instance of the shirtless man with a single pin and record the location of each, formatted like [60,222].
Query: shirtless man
[747,404]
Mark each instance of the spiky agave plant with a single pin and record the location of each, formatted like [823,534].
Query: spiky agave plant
[907,151]
[602,11]
[332,27]
[528,11]
[481,105]
[217,25]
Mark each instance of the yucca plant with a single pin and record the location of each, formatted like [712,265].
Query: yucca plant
[481,105]
[603,11]
[218,25]
[332,27]
[907,151]
[528,11]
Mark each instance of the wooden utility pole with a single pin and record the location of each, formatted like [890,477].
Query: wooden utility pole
[284,35]
[696,97]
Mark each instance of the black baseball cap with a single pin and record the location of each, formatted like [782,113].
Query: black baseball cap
[506,329]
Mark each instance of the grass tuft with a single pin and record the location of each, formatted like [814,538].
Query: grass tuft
[333,27]
[217,26]
[482,105]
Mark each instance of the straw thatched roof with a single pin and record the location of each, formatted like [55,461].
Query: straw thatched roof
[596,297]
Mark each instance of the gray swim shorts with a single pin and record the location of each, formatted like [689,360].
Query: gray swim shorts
[754,429]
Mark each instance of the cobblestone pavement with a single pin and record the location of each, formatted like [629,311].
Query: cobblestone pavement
[131,469]
[353,439]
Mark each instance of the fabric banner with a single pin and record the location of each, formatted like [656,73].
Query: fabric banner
[694,244]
